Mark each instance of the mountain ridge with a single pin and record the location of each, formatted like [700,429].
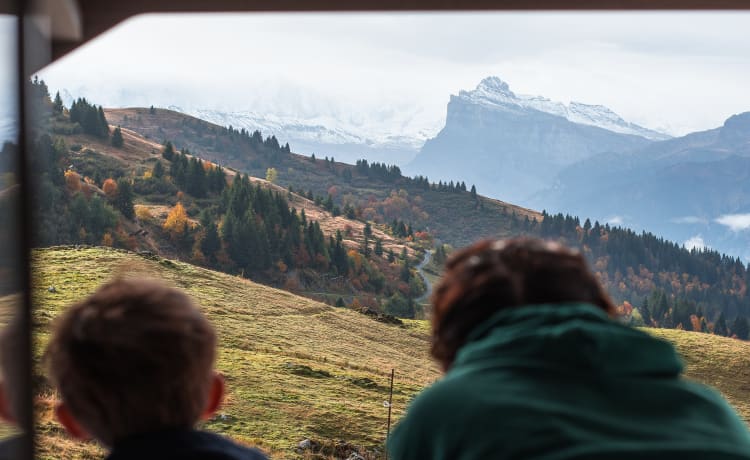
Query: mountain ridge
[508,146]
[679,187]
[496,93]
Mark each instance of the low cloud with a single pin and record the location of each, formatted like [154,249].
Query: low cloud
[735,222]
[689,220]
[695,242]
[615,220]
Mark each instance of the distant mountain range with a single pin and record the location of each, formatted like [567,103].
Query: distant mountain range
[494,93]
[394,139]
[693,188]
[529,150]
[512,146]
[309,123]
[8,127]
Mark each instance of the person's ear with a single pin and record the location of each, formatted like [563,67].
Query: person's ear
[71,425]
[5,406]
[215,396]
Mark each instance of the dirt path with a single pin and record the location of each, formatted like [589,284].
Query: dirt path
[428,285]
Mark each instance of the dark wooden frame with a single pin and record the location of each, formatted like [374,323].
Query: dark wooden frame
[94,17]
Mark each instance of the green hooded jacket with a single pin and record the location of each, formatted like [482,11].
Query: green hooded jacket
[565,381]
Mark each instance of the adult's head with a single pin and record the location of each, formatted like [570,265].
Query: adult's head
[134,357]
[493,275]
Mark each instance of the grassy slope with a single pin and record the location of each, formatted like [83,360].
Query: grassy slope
[264,330]
[721,362]
[139,155]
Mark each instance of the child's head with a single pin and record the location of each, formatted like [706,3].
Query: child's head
[134,357]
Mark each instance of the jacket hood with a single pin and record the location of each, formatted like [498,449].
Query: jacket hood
[568,338]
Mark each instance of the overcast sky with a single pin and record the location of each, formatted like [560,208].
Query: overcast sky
[8,82]
[678,72]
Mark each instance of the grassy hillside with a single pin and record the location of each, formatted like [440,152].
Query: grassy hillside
[456,218]
[720,362]
[299,369]
[295,368]
[329,262]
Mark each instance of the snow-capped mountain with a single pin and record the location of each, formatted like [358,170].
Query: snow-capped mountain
[494,92]
[394,137]
[512,146]
[392,131]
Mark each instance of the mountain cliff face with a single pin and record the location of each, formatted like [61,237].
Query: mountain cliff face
[683,188]
[512,146]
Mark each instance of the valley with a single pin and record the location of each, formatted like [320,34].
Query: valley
[312,268]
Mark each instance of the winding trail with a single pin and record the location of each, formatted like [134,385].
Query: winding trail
[427,283]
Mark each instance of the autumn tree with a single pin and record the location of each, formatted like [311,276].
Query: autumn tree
[272,175]
[72,181]
[176,224]
[109,187]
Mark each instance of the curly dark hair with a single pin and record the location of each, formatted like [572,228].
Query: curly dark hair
[495,274]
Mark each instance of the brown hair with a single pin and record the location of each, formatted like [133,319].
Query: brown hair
[492,275]
[134,357]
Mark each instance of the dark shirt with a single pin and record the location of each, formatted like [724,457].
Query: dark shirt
[182,445]
[12,448]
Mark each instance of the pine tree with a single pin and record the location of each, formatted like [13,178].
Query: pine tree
[117,140]
[378,247]
[720,328]
[123,199]
[211,242]
[158,170]
[405,271]
[57,106]
[741,328]
[168,151]
[103,126]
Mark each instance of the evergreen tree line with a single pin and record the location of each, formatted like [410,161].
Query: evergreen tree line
[386,173]
[190,174]
[401,229]
[90,117]
[236,141]
[391,173]
[659,310]
[258,229]
[713,282]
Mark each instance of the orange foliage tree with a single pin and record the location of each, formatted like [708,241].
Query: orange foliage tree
[109,187]
[72,181]
[176,223]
